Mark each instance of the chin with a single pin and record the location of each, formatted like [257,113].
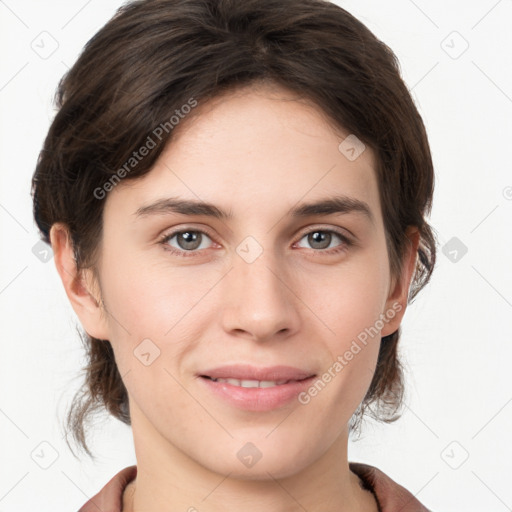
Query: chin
[252,463]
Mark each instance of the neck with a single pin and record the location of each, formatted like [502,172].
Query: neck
[168,480]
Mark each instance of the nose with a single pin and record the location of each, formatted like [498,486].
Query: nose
[260,302]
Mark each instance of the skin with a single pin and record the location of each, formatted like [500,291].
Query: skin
[257,154]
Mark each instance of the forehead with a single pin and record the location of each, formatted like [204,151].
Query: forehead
[255,150]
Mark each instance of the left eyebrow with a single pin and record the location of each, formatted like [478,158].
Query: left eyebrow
[334,205]
[327,206]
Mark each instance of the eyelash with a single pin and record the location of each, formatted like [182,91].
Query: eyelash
[346,242]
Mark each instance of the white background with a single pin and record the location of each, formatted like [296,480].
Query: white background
[456,339]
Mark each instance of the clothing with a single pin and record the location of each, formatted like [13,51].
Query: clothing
[390,496]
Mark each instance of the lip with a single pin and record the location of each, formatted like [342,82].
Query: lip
[256,399]
[248,372]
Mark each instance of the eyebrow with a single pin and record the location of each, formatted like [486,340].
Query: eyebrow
[327,206]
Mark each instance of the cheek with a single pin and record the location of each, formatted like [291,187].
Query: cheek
[350,299]
[156,315]
[350,302]
[151,298]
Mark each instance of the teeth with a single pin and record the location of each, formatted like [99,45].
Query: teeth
[252,383]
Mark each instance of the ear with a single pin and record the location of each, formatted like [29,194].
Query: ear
[396,302]
[78,285]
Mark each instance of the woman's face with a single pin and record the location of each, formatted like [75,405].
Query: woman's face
[253,279]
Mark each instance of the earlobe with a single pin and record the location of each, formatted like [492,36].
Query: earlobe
[396,303]
[77,284]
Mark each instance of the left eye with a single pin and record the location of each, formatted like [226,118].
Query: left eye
[321,238]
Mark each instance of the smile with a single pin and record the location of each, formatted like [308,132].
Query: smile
[252,383]
[255,395]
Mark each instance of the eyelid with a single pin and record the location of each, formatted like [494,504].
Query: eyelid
[336,229]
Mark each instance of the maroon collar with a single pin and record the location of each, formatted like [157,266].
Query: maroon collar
[390,496]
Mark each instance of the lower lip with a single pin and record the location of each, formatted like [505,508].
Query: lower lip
[257,399]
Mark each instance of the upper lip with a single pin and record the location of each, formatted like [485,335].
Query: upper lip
[248,372]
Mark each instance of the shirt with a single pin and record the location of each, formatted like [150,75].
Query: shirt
[390,496]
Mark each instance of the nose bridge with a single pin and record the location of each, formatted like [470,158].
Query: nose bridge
[263,275]
[259,303]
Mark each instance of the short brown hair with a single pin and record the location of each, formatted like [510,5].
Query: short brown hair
[152,57]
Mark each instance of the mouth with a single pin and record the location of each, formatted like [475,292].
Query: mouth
[251,383]
[249,374]
[253,394]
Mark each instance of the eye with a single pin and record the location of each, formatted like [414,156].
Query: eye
[189,242]
[185,241]
[321,239]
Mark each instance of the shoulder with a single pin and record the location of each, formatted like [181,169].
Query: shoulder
[109,498]
[390,495]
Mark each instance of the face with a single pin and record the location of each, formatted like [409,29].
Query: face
[256,279]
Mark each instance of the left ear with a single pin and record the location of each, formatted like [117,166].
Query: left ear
[399,290]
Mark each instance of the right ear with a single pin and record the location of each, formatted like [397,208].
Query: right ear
[78,285]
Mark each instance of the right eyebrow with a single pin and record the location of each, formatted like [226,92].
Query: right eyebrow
[182,206]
